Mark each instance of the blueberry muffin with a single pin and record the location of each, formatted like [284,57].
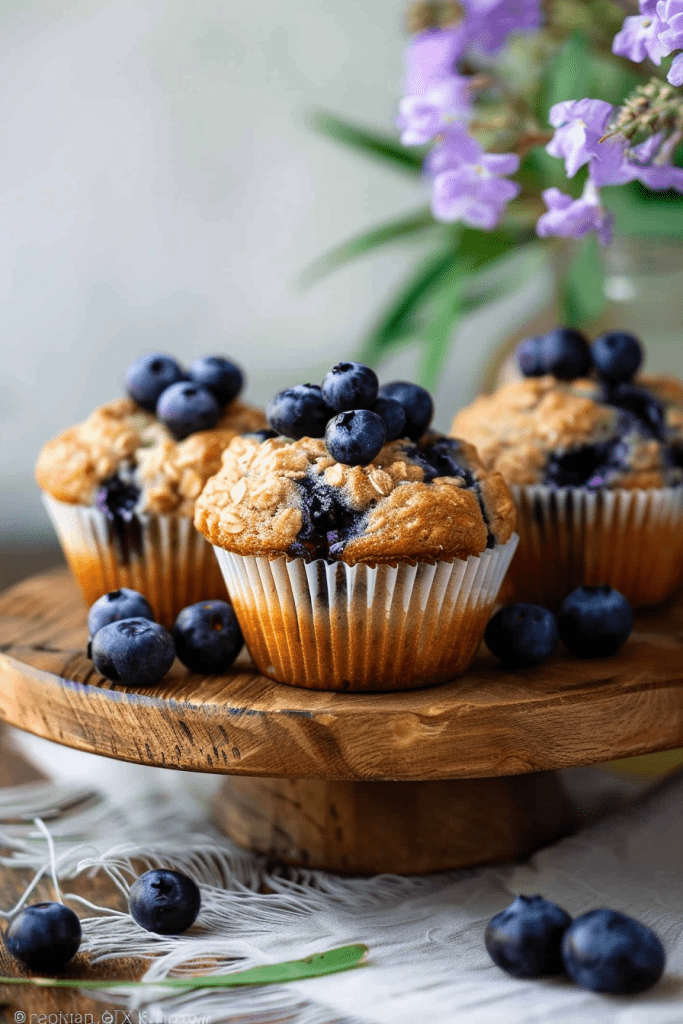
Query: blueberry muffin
[120,489]
[596,467]
[352,566]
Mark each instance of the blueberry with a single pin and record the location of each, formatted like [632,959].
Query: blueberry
[261,435]
[522,635]
[530,357]
[566,353]
[117,499]
[149,376]
[222,378]
[394,416]
[526,938]
[118,604]
[355,437]
[594,622]
[44,936]
[186,408]
[350,386]
[617,356]
[299,412]
[207,637]
[417,404]
[607,951]
[164,902]
[135,652]
[639,403]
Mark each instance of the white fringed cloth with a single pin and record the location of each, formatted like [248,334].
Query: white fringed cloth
[427,963]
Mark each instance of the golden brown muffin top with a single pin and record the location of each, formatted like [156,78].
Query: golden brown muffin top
[122,435]
[540,430]
[422,501]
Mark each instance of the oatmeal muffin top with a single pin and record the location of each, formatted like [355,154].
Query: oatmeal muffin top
[580,432]
[121,447]
[415,501]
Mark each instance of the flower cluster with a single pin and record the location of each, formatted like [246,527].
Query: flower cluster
[580,139]
[655,32]
[469,185]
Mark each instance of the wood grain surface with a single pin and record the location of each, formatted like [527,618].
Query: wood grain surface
[486,723]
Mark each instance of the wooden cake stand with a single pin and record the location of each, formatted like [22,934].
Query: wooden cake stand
[423,780]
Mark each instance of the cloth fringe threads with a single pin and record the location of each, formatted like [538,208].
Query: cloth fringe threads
[427,961]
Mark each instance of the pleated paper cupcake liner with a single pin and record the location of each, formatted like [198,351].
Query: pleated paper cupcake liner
[162,557]
[340,627]
[631,540]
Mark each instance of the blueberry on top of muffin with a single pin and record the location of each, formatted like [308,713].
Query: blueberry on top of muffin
[154,450]
[338,484]
[563,428]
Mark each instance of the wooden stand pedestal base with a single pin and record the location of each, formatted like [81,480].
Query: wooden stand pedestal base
[396,827]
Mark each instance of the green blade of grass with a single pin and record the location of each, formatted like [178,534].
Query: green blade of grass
[333,960]
[366,140]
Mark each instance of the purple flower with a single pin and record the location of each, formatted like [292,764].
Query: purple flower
[475,192]
[640,38]
[431,57]
[456,147]
[670,15]
[655,176]
[574,218]
[579,126]
[426,115]
[490,22]
[675,75]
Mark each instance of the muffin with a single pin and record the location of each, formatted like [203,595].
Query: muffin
[120,489]
[372,576]
[596,469]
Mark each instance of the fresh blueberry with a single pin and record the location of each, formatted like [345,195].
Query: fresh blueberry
[417,404]
[594,622]
[186,408]
[44,936]
[164,902]
[135,652]
[639,403]
[299,412]
[526,938]
[355,437]
[607,951]
[522,635]
[394,416]
[566,353]
[350,386]
[531,357]
[207,637]
[149,376]
[117,604]
[617,356]
[222,378]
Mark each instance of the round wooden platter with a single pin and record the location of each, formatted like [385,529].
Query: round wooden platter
[485,729]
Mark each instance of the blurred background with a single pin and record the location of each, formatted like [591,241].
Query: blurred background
[160,188]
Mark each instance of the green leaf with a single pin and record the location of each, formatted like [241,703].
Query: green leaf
[583,297]
[334,960]
[438,332]
[568,76]
[648,214]
[372,143]
[366,242]
[397,321]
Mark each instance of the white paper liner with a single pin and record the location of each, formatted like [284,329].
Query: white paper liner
[340,627]
[631,540]
[162,557]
